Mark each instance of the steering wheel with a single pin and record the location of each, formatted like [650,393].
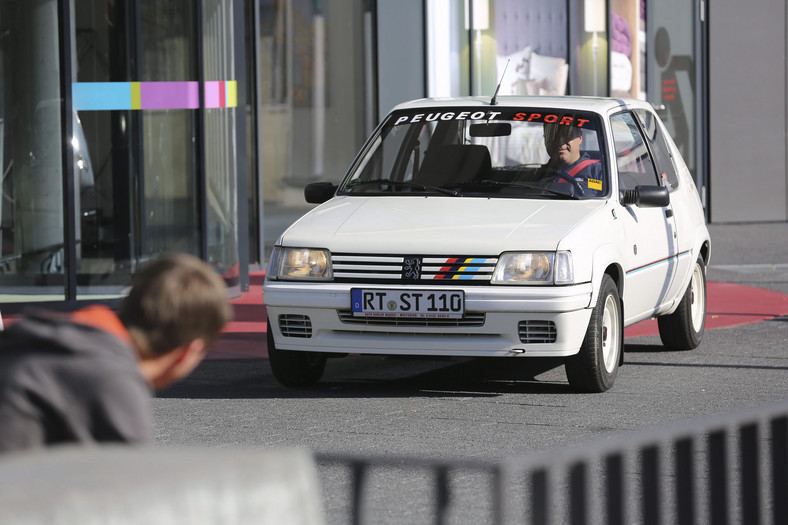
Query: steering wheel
[577,187]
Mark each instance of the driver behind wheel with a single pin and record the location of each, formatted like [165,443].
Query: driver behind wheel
[578,173]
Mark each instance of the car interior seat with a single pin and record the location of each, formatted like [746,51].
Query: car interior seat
[454,164]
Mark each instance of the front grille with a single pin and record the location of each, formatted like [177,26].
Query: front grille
[537,332]
[470,320]
[294,325]
[376,268]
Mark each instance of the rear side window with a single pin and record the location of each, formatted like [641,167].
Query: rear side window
[633,160]
[660,149]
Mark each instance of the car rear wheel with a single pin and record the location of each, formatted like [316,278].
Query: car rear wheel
[595,366]
[683,329]
[294,368]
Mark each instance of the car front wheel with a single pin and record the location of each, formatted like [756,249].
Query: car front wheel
[683,329]
[294,368]
[595,366]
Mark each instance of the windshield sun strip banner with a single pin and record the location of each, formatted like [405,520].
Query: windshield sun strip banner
[550,116]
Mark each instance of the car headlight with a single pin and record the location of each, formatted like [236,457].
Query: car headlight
[300,264]
[534,268]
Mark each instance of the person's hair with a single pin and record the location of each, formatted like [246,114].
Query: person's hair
[174,300]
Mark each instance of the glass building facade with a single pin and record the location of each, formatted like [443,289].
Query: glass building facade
[131,128]
[119,142]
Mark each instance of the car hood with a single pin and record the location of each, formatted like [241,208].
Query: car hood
[437,225]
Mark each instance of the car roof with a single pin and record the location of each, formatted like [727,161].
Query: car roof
[596,104]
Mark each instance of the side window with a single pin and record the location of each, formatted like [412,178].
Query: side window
[660,148]
[633,160]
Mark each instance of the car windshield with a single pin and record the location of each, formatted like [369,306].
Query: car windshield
[489,152]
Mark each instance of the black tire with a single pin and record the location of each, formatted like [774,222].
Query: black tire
[683,329]
[595,366]
[294,368]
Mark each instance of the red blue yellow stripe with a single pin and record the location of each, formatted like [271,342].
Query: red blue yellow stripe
[457,265]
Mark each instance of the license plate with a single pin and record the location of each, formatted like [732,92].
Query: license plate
[438,304]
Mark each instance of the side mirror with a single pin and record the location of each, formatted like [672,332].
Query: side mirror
[319,192]
[646,197]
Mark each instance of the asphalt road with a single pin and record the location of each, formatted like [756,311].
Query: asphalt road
[477,408]
[472,407]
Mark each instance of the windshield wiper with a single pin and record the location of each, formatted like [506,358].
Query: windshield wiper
[403,184]
[530,187]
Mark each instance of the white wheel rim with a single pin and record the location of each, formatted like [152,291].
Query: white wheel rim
[697,298]
[610,334]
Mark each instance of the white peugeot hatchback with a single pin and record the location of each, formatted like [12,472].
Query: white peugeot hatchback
[520,227]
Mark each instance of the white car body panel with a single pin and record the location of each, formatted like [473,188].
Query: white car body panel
[503,306]
[434,225]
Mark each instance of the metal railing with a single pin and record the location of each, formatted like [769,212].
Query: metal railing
[721,469]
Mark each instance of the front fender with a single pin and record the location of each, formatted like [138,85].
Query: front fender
[606,259]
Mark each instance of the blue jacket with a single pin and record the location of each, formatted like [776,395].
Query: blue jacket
[588,173]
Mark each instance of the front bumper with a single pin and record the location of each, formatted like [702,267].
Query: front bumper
[538,321]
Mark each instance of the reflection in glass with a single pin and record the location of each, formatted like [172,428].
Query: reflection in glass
[169,208]
[102,167]
[220,143]
[672,85]
[141,199]
[31,204]
[311,101]
[447,76]
[531,46]
[628,49]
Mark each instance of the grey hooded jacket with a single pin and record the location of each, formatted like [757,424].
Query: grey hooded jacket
[64,382]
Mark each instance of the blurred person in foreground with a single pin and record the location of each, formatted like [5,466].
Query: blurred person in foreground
[90,377]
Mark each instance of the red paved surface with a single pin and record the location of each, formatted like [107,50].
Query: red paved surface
[244,336]
[728,305]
